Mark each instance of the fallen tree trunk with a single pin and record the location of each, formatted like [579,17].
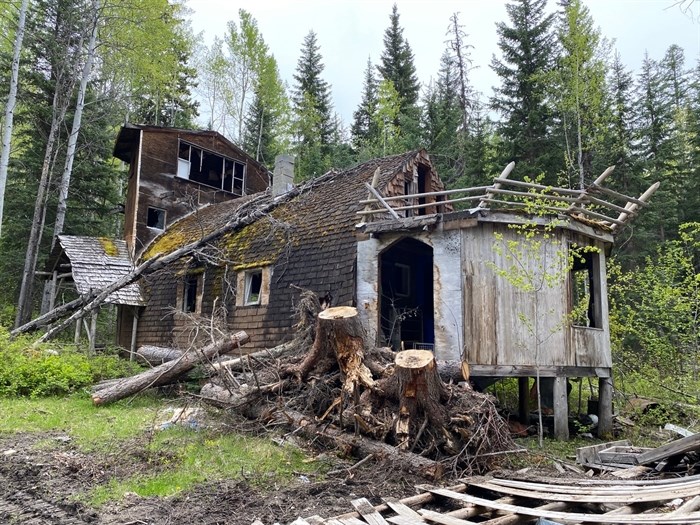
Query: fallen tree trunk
[249,212]
[306,426]
[166,372]
[157,355]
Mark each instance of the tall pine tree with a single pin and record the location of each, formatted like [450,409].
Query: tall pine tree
[396,66]
[364,132]
[313,112]
[528,50]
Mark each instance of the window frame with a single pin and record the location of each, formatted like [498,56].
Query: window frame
[248,280]
[162,212]
[233,182]
[586,270]
[190,293]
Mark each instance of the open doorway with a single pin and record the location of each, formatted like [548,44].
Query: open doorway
[406,295]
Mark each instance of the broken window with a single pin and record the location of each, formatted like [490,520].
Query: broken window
[211,169]
[156,218]
[253,286]
[190,293]
[585,289]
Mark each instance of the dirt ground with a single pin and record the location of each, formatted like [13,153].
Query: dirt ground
[38,485]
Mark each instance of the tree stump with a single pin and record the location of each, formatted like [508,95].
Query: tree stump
[339,340]
[421,393]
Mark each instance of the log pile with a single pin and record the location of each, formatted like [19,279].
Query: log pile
[369,401]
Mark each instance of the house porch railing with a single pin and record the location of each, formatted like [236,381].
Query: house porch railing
[595,202]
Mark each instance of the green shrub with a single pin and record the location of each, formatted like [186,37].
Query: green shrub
[44,370]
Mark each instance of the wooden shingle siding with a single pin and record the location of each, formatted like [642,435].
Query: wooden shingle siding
[308,243]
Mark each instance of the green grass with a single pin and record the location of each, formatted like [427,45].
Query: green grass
[168,462]
[90,428]
[197,457]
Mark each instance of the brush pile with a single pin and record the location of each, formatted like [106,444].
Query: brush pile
[326,384]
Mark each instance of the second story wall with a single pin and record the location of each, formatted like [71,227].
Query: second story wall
[173,172]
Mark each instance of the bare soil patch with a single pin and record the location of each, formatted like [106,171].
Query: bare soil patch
[41,476]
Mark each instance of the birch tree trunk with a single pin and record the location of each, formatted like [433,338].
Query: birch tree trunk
[10,106]
[24,303]
[62,206]
[77,119]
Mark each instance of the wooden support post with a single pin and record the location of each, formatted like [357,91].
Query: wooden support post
[605,393]
[76,337]
[93,332]
[53,291]
[134,327]
[561,409]
[524,400]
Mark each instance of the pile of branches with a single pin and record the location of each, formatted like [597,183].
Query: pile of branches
[329,386]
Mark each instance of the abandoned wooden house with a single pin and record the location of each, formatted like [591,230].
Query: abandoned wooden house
[383,236]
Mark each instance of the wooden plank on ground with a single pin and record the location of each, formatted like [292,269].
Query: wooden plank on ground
[679,446]
[515,519]
[406,520]
[352,521]
[656,519]
[604,496]
[443,519]
[611,487]
[366,509]
[419,499]
[401,509]
[588,455]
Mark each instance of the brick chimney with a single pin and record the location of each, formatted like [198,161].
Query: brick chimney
[283,176]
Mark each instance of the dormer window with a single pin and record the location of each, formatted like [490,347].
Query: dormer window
[211,169]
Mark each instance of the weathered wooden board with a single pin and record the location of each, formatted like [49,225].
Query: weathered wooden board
[679,446]
[651,518]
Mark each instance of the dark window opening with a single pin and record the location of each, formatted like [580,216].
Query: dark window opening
[585,290]
[156,218]
[211,169]
[189,297]
[253,285]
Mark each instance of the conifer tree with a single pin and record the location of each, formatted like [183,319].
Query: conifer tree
[396,66]
[363,131]
[528,50]
[442,122]
[313,114]
[397,62]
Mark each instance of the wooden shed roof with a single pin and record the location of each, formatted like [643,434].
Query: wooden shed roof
[95,263]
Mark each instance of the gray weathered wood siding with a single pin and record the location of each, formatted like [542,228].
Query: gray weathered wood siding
[501,326]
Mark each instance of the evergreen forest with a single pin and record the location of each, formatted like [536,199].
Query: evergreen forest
[566,108]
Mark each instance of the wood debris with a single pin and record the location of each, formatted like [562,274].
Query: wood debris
[619,456]
[496,501]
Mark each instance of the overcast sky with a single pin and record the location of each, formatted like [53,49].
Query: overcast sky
[350,31]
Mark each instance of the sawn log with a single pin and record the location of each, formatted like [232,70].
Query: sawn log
[166,372]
